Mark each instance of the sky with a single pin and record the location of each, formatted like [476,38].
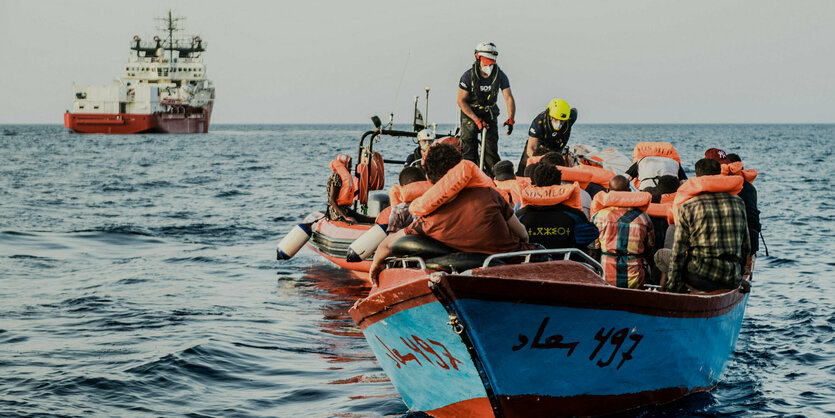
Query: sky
[272,62]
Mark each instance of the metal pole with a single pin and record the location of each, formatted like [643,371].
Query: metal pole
[483,145]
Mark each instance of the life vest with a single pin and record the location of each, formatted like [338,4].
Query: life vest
[504,187]
[602,200]
[383,217]
[599,175]
[516,188]
[655,149]
[464,175]
[566,194]
[346,192]
[408,193]
[479,100]
[572,174]
[371,177]
[697,185]
[735,169]
[534,160]
[660,210]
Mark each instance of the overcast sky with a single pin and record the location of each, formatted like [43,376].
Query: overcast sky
[635,61]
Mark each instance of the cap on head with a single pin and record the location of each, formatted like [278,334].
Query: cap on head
[559,109]
[487,50]
[718,155]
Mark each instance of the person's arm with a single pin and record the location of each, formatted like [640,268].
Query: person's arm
[380,255]
[632,171]
[465,107]
[678,260]
[585,232]
[517,228]
[533,143]
[510,102]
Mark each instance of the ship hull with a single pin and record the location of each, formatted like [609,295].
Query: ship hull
[195,122]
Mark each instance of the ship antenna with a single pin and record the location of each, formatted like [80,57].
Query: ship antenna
[170,26]
[397,94]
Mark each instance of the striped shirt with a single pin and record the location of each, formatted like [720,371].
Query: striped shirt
[711,242]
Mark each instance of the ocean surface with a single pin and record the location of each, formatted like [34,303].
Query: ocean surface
[138,274]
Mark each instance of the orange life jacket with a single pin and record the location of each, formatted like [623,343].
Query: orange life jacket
[655,149]
[408,193]
[697,185]
[735,169]
[660,210]
[602,200]
[383,217]
[599,175]
[577,174]
[566,194]
[346,192]
[516,188]
[464,175]
[504,187]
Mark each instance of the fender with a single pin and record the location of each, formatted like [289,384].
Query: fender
[464,175]
[602,200]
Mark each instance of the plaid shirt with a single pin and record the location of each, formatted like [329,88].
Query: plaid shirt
[626,236]
[711,241]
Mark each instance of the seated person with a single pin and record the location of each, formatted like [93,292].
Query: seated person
[668,184]
[711,243]
[555,159]
[651,161]
[748,196]
[626,238]
[400,216]
[504,179]
[558,225]
[425,138]
[341,190]
[476,219]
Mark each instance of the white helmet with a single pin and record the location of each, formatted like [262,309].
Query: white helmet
[487,50]
[425,135]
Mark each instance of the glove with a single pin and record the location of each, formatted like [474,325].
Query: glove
[481,124]
[509,123]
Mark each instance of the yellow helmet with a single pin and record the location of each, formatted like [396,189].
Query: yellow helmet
[559,109]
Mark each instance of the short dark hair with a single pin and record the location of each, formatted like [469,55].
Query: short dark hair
[656,194]
[619,184]
[410,175]
[545,175]
[540,150]
[503,170]
[733,158]
[440,158]
[668,184]
[553,158]
[529,170]
[707,167]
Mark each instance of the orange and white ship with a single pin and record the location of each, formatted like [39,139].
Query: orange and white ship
[163,89]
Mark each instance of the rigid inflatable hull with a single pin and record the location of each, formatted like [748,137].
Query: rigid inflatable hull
[331,239]
[546,347]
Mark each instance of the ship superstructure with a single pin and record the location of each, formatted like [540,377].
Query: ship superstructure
[163,88]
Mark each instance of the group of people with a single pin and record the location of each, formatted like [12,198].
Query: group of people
[684,235]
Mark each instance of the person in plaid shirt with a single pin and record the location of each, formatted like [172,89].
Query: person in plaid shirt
[711,241]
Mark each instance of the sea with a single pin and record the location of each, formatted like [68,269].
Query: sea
[138,274]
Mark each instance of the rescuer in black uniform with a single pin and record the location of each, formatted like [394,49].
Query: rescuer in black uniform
[550,130]
[478,92]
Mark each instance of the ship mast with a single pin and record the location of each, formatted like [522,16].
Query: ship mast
[170,26]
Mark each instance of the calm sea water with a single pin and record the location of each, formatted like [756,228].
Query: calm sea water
[138,274]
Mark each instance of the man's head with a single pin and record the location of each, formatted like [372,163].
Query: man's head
[668,184]
[545,175]
[656,194]
[558,112]
[618,184]
[410,175]
[734,158]
[718,155]
[553,158]
[440,158]
[425,139]
[486,54]
[503,170]
[707,167]
[529,170]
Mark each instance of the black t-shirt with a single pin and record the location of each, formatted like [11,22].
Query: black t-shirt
[557,226]
[483,85]
[549,138]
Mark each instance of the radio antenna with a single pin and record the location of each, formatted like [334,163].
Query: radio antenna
[397,94]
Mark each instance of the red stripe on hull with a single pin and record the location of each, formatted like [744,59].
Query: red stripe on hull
[131,123]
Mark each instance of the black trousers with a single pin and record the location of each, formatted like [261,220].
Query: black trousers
[470,142]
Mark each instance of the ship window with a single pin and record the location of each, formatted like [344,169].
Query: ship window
[95,107]
[81,107]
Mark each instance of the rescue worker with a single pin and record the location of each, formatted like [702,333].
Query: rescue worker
[550,130]
[478,92]
[425,139]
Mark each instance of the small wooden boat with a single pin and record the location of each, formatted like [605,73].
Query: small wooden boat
[541,339]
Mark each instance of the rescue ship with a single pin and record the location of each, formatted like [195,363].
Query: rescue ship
[163,89]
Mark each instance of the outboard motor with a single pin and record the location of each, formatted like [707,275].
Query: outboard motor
[293,241]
